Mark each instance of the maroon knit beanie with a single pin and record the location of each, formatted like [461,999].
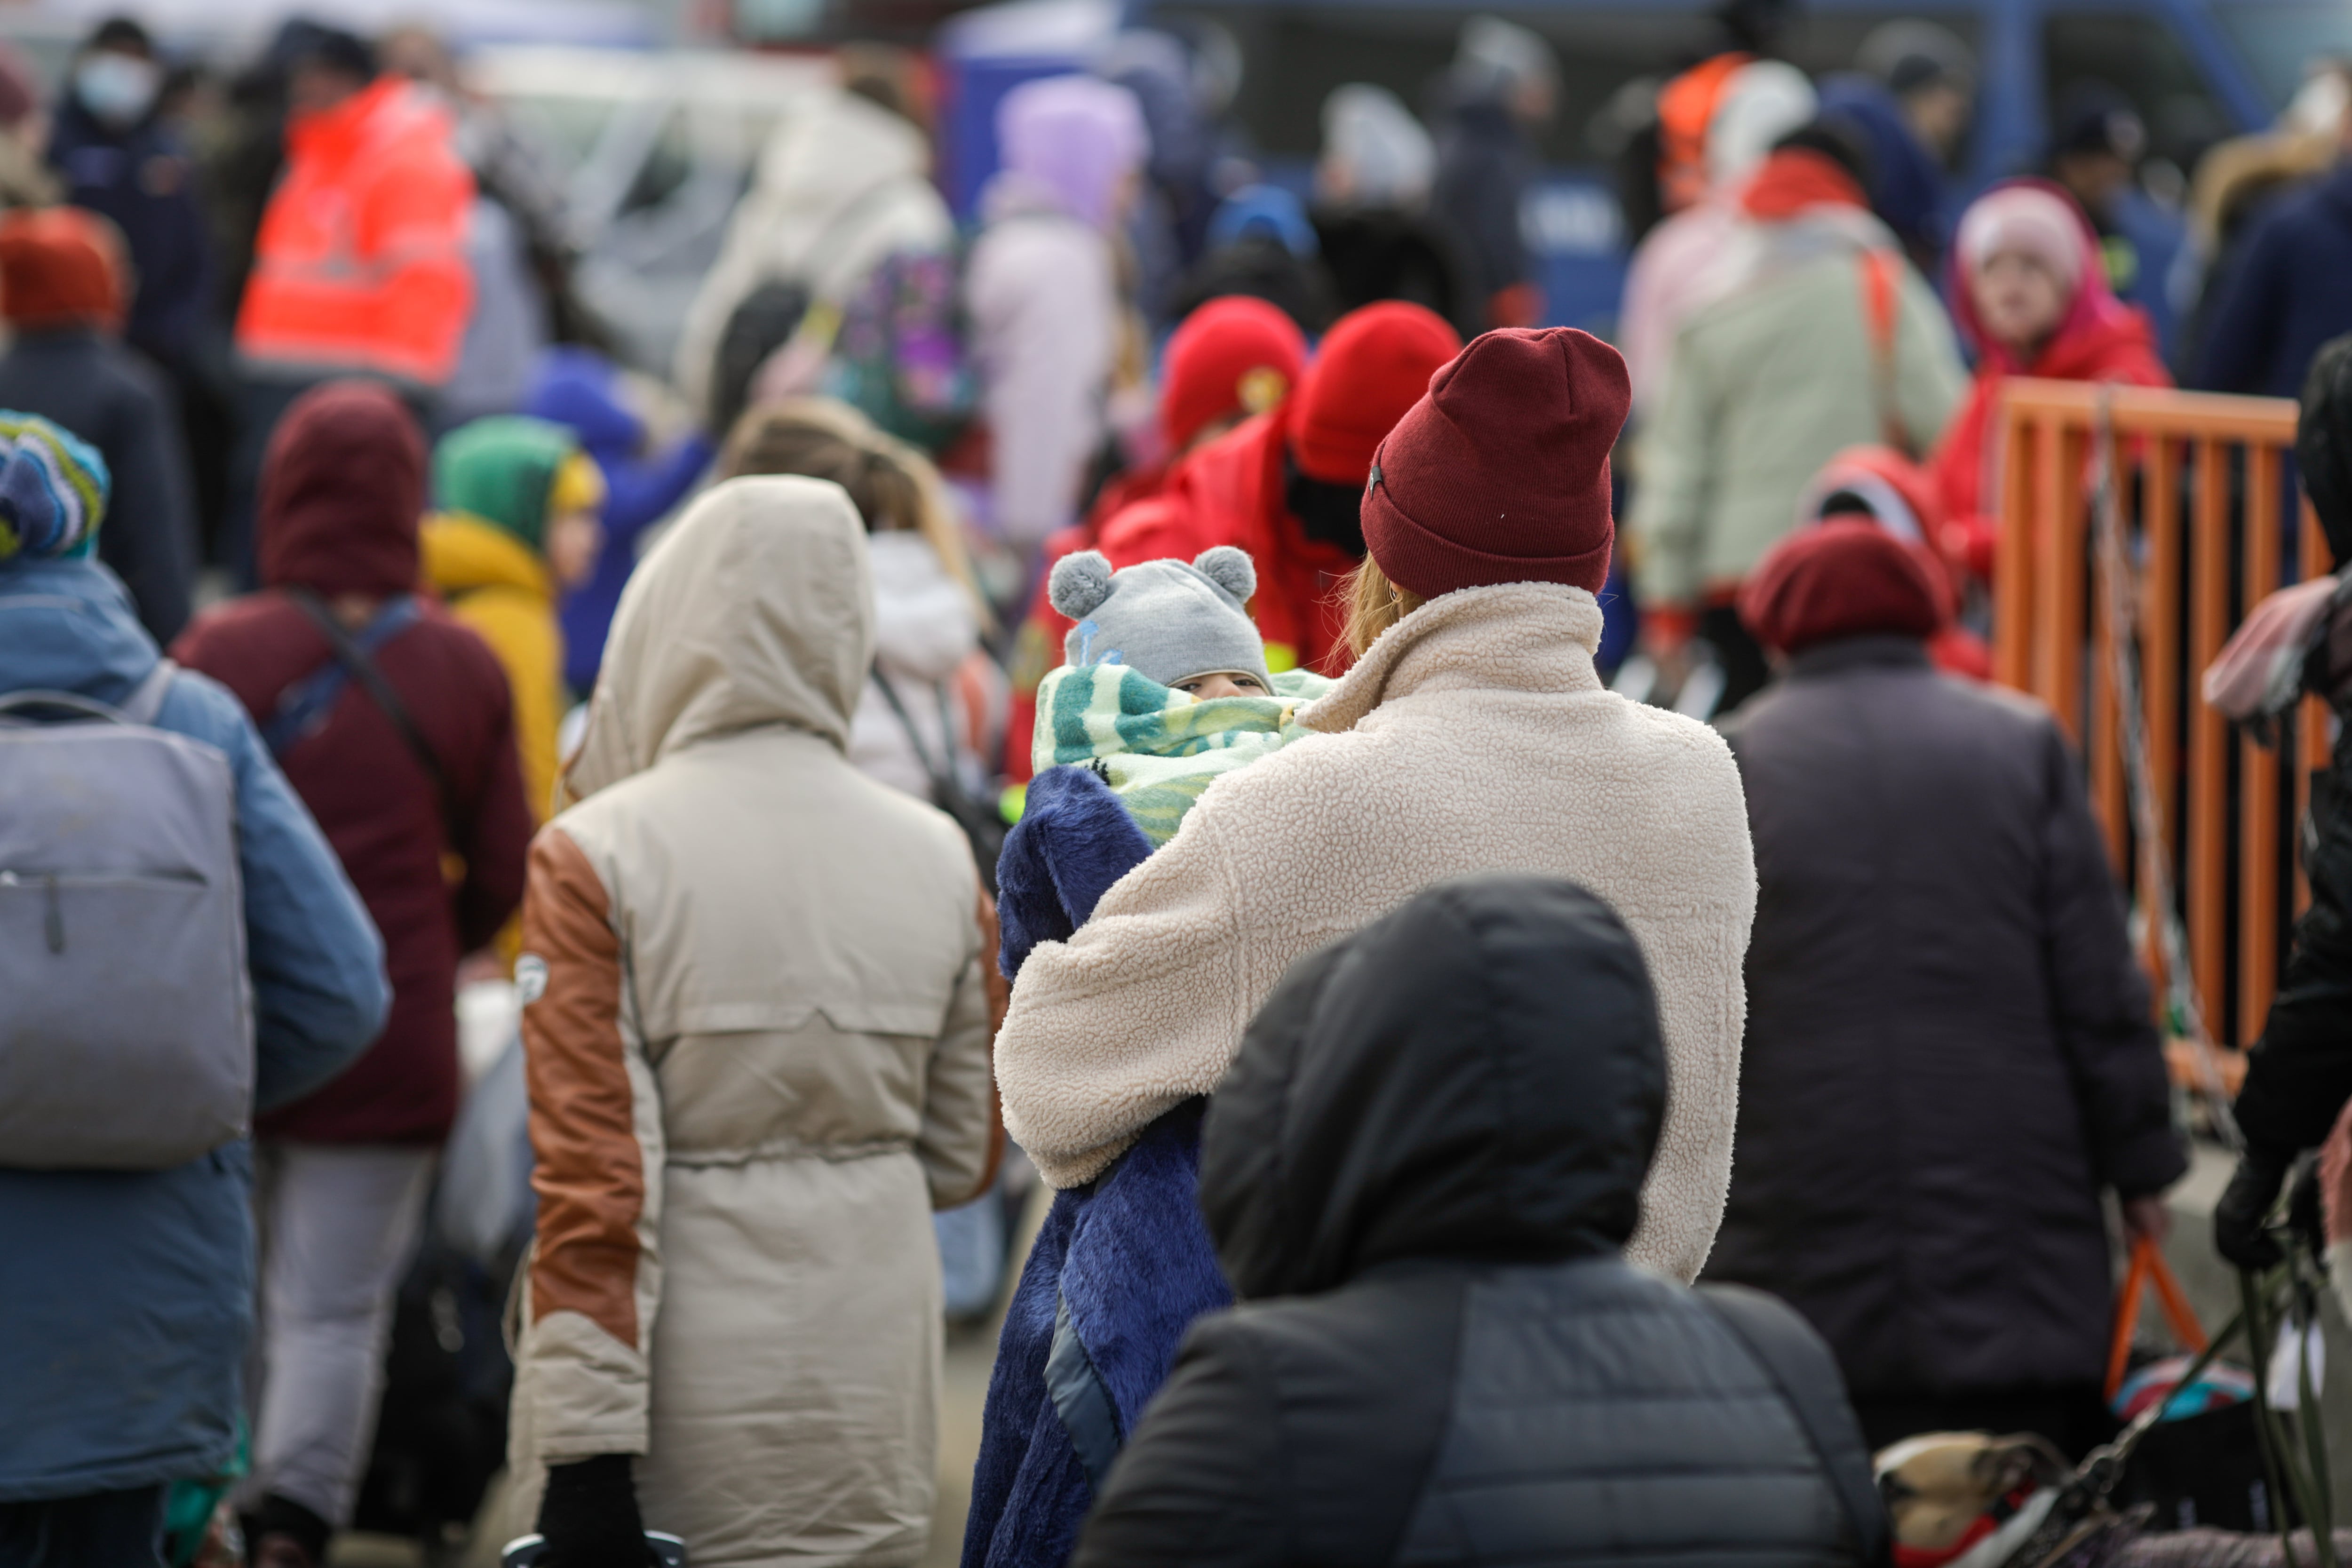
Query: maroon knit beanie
[1501,473]
[1843,578]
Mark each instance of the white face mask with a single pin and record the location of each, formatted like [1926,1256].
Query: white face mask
[119,89]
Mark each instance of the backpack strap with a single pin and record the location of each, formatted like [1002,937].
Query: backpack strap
[146,699]
[1801,1369]
[304,706]
[943,782]
[351,658]
[1881,303]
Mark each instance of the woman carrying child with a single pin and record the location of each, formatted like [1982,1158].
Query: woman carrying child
[1472,735]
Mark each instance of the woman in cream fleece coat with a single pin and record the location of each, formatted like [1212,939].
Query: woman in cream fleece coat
[1472,735]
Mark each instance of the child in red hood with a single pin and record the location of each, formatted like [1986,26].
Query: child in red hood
[2030,295]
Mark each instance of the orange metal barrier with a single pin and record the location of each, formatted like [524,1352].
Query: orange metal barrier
[2202,481]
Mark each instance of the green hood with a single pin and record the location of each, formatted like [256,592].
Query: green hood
[501,470]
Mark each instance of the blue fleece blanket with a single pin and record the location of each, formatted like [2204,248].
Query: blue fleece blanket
[1123,1265]
[1075,838]
[1127,1258]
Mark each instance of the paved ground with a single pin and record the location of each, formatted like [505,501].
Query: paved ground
[970,1354]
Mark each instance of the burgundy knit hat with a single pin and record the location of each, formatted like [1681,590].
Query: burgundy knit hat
[20,88]
[1501,473]
[1844,578]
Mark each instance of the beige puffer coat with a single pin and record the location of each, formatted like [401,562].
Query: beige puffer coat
[757,1038]
[1473,736]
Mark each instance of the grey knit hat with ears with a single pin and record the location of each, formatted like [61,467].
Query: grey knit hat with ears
[1167,620]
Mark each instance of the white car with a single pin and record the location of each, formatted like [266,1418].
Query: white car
[654,149]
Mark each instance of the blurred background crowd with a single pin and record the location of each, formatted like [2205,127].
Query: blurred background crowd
[599,216]
[1034,278]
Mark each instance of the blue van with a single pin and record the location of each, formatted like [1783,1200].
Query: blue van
[2197,71]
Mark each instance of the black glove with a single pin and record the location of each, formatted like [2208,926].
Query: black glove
[589,1516]
[2238,1219]
[2306,1212]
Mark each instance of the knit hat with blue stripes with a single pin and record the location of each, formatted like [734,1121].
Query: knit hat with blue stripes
[53,488]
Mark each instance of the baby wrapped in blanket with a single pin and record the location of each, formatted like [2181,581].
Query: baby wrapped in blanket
[1165,690]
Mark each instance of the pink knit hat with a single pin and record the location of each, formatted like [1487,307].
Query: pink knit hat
[2030,218]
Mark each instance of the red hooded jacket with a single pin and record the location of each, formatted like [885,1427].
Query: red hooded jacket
[2100,339]
[341,495]
[1230,492]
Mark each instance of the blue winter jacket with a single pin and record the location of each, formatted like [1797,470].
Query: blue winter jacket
[126,1298]
[1123,1263]
[2156,236]
[2286,295]
[579,389]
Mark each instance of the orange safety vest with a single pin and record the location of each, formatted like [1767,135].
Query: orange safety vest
[1686,106]
[360,261]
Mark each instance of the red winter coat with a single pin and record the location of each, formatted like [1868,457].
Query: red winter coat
[2101,339]
[1230,492]
[341,498]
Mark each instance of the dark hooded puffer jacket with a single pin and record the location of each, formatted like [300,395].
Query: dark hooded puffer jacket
[1419,1176]
[341,492]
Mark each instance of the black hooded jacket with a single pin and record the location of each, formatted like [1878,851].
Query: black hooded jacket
[2300,1075]
[1418,1175]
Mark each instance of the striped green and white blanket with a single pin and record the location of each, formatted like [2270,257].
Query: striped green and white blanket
[1158,749]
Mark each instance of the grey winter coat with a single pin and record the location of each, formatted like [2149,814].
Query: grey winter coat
[108,395]
[1948,1049]
[1419,1176]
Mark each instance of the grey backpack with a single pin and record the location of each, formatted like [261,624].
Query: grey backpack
[126,1013]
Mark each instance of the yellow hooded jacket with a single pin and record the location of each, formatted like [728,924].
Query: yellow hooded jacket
[500,587]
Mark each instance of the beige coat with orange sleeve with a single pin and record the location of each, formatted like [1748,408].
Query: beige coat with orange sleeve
[757,1033]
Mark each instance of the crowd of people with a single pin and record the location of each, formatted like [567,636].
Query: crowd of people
[1115,698]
